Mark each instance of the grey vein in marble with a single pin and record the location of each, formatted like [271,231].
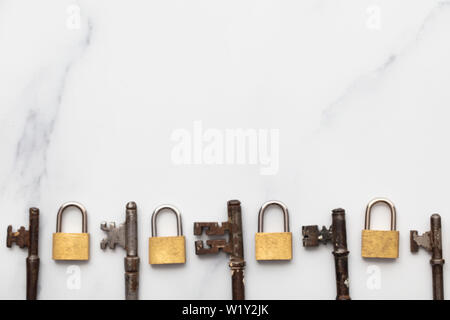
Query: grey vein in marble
[32,148]
[361,81]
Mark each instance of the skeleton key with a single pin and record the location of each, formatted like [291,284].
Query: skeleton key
[432,242]
[336,234]
[233,246]
[28,239]
[126,237]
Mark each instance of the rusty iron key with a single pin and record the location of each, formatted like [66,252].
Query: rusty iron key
[126,236]
[432,242]
[28,239]
[234,246]
[336,234]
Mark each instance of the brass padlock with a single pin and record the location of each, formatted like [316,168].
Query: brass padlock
[71,246]
[380,243]
[274,245]
[167,250]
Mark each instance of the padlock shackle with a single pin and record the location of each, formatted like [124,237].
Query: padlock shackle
[391,208]
[172,209]
[279,204]
[74,205]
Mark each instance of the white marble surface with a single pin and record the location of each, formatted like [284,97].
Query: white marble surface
[358,91]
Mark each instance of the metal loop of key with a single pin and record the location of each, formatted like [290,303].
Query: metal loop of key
[279,204]
[391,208]
[73,205]
[172,209]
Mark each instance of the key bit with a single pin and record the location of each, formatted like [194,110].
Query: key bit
[211,229]
[417,241]
[21,237]
[114,236]
[312,237]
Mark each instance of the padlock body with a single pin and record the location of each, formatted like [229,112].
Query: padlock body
[273,246]
[380,244]
[167,250]
[70,246]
